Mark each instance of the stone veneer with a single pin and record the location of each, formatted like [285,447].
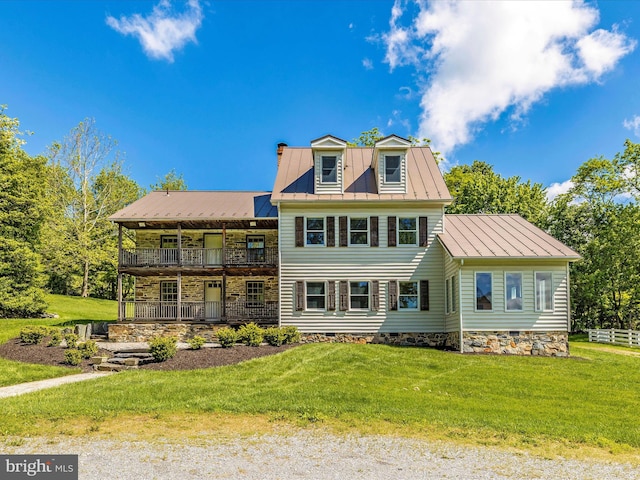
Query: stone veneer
[142,332]
[548,344]
[195,238]
[436,340]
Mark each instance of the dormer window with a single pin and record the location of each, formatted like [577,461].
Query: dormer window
[392,169]
[329,170]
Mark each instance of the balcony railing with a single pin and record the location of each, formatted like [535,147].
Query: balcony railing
[198,311]
[199,257]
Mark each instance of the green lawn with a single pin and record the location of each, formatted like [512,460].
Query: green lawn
[71,310]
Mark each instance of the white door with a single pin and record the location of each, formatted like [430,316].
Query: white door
[213,299]
[213,248]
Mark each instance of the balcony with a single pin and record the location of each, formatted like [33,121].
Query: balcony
[236,311]
[199,257]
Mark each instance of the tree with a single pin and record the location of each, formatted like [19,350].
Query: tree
[171,181]
[476,188]
[86,185]
[367,138]
[22,212]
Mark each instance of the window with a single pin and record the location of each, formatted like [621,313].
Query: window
[329,169]
[484,286]
[408,297]
[315,231]
[407,231]
[544,292]
[358,231]
[454,294]
[447,300]
[513,291]
[255,294]
[255,248]
[169,241]
[392,169]
[359,295]
[169,291]
[316,296]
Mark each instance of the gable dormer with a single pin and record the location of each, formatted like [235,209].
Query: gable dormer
[390,164]
[328,162]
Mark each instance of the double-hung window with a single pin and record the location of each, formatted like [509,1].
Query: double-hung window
[316,296]
[315,231]
[255,294]
[408,296]
[484,294]
[359,295]
[392,165]
[169,291]
[513,291]
[544,292]
[359,231]
[407,231]
[329,169]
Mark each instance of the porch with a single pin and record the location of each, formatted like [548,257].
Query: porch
[199,257]
[236,311]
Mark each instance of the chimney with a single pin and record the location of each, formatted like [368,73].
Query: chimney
[281,146]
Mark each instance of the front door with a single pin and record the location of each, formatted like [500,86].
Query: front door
[213,299]
[213,248]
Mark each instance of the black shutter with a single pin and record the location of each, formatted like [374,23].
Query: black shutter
[424,294]
[375,295]
[344,296]
[331,231]
[424,235]
[343,231]
[331,295]
[373,231]
[299,231]
[299,296]
[393,295]
[391,231]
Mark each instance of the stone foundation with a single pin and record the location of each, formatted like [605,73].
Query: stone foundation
[142,332]
[435,340]
[548,344]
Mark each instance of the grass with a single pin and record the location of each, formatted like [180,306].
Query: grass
[71,310]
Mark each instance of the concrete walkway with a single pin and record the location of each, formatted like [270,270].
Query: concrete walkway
[15,390]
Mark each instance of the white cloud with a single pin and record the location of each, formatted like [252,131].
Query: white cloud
[482,59]
[633,124]
[367,63]
[164,30]
[556,189]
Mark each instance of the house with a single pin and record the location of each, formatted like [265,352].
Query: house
[365,253]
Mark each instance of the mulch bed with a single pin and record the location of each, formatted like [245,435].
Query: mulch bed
[184,360]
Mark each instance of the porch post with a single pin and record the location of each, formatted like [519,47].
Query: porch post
[179,244]
[119,273]
[179,313]
[224,244]
[224,295]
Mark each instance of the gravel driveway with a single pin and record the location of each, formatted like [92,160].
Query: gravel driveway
[313,455]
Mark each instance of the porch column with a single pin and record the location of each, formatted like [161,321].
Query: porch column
[224,295]
[179,313]
[120,315]
[224,244]
[179,244]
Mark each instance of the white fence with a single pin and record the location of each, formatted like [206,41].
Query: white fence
[630,338]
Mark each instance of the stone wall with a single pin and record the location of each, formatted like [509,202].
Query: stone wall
[142,332]
[195,238]
[549,344]
[435,340]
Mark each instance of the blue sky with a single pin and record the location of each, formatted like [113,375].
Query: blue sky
[208,88]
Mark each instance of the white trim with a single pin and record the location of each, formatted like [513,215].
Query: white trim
[475,291]
[368,309]
[367,229]
[506,308]
[324,232]
[535,293]
[416,231]
[306,295]
[335,167]
[460,309]
[417,308]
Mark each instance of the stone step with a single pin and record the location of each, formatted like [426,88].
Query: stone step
[131,350]
[132,355]
[112,367]
[130,362]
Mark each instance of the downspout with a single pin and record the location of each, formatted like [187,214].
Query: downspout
[568,302]
[279,268]
[460,302]
[119,272]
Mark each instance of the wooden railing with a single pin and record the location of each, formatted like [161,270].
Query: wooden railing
[196,311]
[198,257]
[630,338]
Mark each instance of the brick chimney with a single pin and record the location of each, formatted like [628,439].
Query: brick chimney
[281,146]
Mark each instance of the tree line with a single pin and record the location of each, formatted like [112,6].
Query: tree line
[55,234]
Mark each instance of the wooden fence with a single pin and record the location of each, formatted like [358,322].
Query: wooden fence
[629,338]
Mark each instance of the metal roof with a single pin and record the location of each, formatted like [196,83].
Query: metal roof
[500,236]
[295,177]
[198,205]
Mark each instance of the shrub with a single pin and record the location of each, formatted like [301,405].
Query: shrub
[250,334]
[71,339]
[291,335]
[33,334]
[196,342]
[56,338]
[73,356]
[162,348]
[227,337]
[88,349]
[274,336]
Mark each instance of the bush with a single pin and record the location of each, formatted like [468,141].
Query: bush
[196,342]
[73,356]
[33,335]
[56,338]
[71,339]
[88,349]
[291,335]
[250,334]
[227,337]
[274,336]
[162,348]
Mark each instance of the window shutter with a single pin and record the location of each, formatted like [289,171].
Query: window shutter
[391,231]
[299,231]
[424,294]
[331,295]
[344,296]
[299,296]
[331,231]
[343,232]
[375,295]
[424,236]
[373,231]
[393,295]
